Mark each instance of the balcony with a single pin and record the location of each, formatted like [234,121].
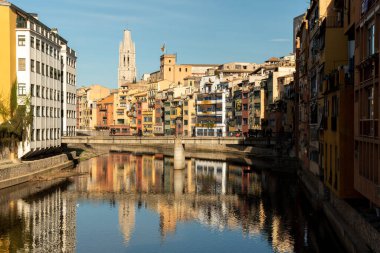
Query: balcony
[206,102]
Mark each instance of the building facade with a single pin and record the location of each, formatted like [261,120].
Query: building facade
[366,122]
[34,63]
[87,98]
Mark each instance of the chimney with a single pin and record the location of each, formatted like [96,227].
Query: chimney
[34,15]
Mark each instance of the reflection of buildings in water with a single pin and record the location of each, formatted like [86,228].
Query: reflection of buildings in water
[190,176]
[211,170]
[242,179]
[127,219]
[171,214]
[218,208]
[50,223]
[281,242]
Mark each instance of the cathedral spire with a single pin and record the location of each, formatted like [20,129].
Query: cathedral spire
[127,60]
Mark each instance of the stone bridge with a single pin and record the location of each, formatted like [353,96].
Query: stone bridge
[157,140]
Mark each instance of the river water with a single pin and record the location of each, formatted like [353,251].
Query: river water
[139,203]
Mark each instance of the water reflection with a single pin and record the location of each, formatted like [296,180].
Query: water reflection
[42,223]
[264,208]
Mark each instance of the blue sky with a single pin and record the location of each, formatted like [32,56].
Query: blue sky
[199,31]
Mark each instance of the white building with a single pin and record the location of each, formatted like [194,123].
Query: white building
[44,76]
[127,60]
[211,107]
[69,58]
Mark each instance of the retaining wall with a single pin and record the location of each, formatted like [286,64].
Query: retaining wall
[20,173]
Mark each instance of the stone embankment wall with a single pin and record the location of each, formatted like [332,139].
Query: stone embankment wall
[13,174]
[356,234]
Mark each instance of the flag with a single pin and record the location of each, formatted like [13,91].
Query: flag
[163,48]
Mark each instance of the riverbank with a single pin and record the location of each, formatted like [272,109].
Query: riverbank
[356,234]
[17,173]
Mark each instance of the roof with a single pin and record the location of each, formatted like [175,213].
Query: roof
[31,17]
[273,59]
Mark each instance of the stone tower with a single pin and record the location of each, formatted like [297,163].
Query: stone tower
[127,60]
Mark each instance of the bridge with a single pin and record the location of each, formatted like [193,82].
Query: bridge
[156,140]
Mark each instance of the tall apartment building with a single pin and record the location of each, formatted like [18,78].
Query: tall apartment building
[32,58]
[127,60]
[366,29]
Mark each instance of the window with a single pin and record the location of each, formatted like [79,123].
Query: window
[38,111]
[43,92]
[32,65]
[32,135]
[32,41]
[38,91]
[371,40]
[43,69]
[370,103]
[38,43]
[38,137]
[21,40]
[21,64]
[43,47]
[32,90]
[20,22]
[21,89]
[38,67]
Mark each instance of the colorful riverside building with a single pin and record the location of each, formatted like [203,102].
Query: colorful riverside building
[87,98]
[337,48]
[336,99]
[364,23]
[324,85]
[211,107]
[38,60]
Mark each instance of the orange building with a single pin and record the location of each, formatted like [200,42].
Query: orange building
[104,113]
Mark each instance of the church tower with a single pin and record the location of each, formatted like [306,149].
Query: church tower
[127,60]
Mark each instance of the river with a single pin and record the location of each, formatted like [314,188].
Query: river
[139,203]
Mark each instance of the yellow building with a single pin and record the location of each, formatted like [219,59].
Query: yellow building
[330,101]
[8,76]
